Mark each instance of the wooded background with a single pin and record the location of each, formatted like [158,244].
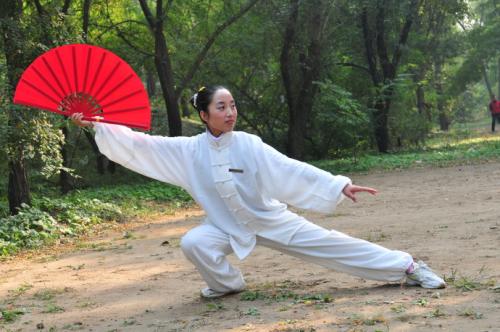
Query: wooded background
[317,79]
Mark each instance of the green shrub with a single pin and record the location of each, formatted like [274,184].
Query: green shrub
[79,210]
[53,217]
[4,209]
[49,219]
[30,228]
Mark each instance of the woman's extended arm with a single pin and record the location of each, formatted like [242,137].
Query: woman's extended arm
[303,185]
[158,157]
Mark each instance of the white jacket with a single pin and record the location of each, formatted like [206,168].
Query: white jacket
[242,183]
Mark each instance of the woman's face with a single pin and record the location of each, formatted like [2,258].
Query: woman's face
[222,113]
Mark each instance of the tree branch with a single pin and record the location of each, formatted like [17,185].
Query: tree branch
[199,58]
[349,64]
[85,18]
[131,45]
[370,52]
[65,7]
[405,31]
[122,35]
[159,11]
[147,13]
[381,44]
[39,8]
[285,53]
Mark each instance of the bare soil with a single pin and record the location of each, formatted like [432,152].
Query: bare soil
[138,279]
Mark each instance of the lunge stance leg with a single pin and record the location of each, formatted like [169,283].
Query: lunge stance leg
[206,247]
[358,257]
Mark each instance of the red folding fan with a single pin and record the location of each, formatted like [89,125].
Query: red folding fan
[86,79]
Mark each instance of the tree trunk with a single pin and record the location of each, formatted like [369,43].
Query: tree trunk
[100,158]
[444,120]
[296,134]
[299,75]
[185,107]
[420,94]
[150,83]
[165,74]
[487,82]
[498,76]
[10,13]
[18,190]
[163,66]
[64,177]
[293,147]
[85,19]
[380,117]
[382,68]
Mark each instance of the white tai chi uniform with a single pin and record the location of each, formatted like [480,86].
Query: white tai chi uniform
[244,185]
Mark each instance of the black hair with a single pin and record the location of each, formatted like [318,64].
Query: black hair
[201,99]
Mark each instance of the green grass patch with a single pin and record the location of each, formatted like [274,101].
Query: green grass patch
[469,283]
[10,315]
[357,319]
[283,291]
[52,308]
[471,313]
[215,306]
[458,151]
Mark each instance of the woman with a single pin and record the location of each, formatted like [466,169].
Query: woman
[244,185]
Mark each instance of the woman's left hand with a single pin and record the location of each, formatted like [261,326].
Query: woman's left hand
[350,190]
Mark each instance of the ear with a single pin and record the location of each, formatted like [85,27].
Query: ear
[204,116]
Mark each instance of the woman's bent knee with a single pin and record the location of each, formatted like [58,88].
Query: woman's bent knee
[189,242]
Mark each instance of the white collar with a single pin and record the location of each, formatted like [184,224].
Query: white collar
[222,141]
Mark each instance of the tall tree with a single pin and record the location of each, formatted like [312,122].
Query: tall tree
[13,40]
[100,158]
[382,66]
[436,41]
[48,40]
[482,51]
[301,64]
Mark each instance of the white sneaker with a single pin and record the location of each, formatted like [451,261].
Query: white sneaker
[422,275]
[209,293]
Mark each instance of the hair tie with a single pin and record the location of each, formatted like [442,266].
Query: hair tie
[201,89]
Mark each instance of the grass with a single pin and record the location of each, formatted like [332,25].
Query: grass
[400,308]
[14,294]
[252,312]
[469,283]
[52,308]
[10,315]
[48,294]
[471,313]
[421,302]
[283,291]
[456,147]
[436,313]
[357,319]
[215,306]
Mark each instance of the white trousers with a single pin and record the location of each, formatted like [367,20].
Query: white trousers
[206,246]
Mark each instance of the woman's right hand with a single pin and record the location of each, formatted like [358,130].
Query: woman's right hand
[77,120]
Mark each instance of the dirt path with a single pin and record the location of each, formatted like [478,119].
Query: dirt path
[449,217]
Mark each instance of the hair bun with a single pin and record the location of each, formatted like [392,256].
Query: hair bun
[203,97]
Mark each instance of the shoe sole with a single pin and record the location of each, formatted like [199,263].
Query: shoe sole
[217,295]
